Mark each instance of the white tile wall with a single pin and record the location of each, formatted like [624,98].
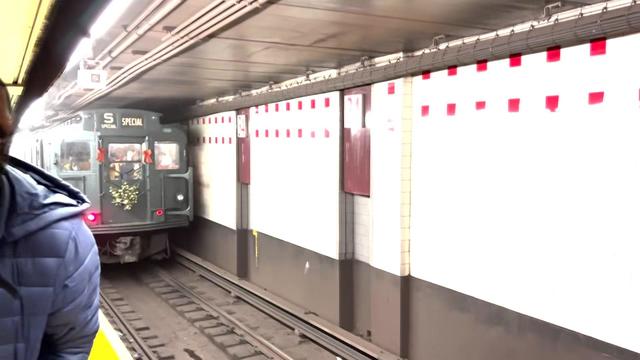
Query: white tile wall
[361,227]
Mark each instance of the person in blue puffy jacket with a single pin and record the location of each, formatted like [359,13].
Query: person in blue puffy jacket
[49,264]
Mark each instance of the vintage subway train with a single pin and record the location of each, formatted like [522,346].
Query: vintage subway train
[133,169]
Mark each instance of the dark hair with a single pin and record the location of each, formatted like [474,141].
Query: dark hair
[6,122]
[7,97]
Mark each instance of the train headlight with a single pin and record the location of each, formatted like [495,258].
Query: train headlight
[179,197]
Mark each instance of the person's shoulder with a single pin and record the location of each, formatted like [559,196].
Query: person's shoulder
[55,239]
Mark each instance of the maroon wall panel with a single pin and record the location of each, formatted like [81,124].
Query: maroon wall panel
[244,153]
[357,148]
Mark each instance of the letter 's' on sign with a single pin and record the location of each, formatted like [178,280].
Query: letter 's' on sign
[108,121]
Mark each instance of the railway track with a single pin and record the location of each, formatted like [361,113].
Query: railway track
[182,310]
[123,318]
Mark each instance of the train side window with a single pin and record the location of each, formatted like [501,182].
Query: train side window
[167,155]
[75,156]
[124,152]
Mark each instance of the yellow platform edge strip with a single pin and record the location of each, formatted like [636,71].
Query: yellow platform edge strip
[107,345]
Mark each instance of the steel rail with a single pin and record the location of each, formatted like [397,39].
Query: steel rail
[266,347]
[121,323]
[321,337]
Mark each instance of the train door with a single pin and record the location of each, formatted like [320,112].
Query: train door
[124,181]
[171,173]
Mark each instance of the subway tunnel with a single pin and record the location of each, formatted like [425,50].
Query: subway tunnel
[353,179]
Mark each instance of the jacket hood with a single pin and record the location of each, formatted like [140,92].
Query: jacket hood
[31,199]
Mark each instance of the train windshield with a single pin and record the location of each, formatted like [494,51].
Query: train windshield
[167,155]
[75,156]
[125,152]
[125,162]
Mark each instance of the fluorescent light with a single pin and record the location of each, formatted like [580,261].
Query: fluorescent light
[83,50]
[105,21]
[34,114]
[109,16]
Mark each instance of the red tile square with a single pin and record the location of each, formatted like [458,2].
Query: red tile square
[552,102]
[209,119]
[313,103]
[216,139]
[222,140]
[266,109]
[391,88]
[299,105]
[598,46]
[257,134]
[326,133]
[277,107]
[553,54]
[299,133]
[481,105]
[515,60]
[229,140]
[313,134]
[424,110]
[209,139]
[277,133]
[482,65]
[327,102]
[426,75]
[288,133]
[451,109]
[514,105]
[596,97]
[288,106]
[452,70]
[266,133]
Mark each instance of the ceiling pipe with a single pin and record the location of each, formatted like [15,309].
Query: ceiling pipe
[141,30]
[196,22]
[136,30]
[166,51]
[192,19]
[189,26]
[151,8]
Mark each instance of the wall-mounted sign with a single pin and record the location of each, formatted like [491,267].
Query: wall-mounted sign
[108,121]
[92,79]
[132,121]
[354,111]
[241,121]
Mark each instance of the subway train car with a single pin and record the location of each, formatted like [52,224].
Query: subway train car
[133,169]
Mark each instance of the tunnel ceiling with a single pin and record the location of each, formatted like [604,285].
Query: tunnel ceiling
[283,40]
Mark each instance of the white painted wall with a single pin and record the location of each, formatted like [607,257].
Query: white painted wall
[295,180]
[214,158]
[536,211]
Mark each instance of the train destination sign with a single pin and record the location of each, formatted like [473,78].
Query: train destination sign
[132,121]
[108,121]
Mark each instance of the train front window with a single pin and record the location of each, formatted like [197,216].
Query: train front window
[125,161]
[167,155]
[75,156]
[127,171]
[124,152]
